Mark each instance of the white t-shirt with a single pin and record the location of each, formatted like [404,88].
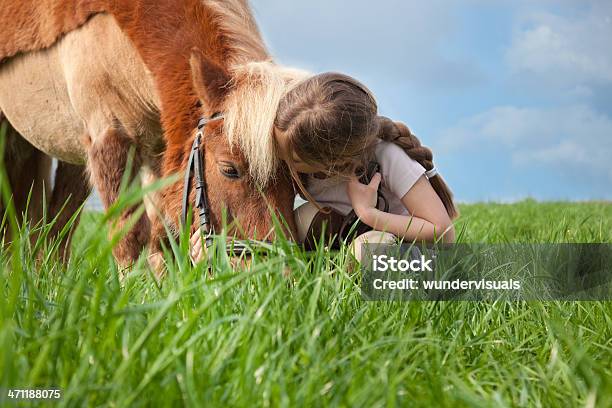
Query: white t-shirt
[399,173]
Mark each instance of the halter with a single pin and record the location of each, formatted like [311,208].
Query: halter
[195,169]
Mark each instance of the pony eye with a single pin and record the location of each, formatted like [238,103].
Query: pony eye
[229,171]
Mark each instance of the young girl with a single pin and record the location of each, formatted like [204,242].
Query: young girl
[327,128]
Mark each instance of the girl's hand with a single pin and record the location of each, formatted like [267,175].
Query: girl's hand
[196,246]
[363,197]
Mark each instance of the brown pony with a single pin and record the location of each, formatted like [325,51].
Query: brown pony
[86,81]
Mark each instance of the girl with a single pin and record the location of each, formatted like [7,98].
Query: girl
[327,129]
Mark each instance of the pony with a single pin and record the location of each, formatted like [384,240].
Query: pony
[89,81]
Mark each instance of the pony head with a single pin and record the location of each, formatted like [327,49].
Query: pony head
[244,177]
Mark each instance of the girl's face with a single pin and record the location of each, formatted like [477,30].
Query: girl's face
[298,164]
[345,167]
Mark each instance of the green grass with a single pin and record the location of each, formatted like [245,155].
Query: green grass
[252,336]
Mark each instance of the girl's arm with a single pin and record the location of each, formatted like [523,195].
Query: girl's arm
[429,220]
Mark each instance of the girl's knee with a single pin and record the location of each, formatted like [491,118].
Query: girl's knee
[304,216]
[371,238]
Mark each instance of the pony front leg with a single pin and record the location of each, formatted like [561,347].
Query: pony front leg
[70,191]
[107,162]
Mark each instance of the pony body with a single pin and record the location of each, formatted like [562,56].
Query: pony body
[59,97]
[140,74]
[33,25]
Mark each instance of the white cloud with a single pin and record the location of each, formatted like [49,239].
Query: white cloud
[570,49]
[572,138]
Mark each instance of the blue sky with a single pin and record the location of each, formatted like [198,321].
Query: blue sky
[514,97]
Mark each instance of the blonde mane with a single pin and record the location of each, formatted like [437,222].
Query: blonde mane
[250,111]
[242,37]
[257,86]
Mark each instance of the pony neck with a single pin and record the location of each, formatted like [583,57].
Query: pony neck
[165,32]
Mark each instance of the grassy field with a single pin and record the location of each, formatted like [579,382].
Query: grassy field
[253,336]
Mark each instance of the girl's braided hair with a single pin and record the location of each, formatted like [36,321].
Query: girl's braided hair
[330,121]
[399,134]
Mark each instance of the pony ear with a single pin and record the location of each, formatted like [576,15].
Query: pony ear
[210,79]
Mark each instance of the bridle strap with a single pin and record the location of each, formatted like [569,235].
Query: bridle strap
[201,199]
[187,181]
[195,168]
